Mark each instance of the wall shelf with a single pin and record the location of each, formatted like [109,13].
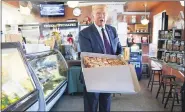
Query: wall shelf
[161,49]
[162,39]
[133,23]
[139,33]
[175,51]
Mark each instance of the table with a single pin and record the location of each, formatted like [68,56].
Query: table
[74,84]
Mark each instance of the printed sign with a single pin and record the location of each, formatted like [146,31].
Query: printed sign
[60,25]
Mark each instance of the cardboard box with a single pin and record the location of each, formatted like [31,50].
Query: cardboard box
[13,38]
[115,79]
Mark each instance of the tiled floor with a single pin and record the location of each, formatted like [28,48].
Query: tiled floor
[143,101]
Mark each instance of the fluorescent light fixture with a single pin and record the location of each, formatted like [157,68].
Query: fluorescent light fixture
[72,4]
[182,3]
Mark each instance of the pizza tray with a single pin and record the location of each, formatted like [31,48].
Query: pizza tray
[114,79]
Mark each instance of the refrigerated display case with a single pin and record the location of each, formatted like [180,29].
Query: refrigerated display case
[51,70]
[18,89]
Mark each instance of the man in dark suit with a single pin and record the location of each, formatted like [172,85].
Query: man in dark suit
[99,38]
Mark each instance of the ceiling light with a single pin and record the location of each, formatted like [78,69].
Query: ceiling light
[182,3]
[145,21]
[25,7]
[25,10]
[72,4]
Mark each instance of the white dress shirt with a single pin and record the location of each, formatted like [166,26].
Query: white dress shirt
[100,32]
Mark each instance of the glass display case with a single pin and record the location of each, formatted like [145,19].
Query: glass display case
[51,69]
[18,90]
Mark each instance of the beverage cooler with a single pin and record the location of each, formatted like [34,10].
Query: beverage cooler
[136,58]
[19,87]
[51,69]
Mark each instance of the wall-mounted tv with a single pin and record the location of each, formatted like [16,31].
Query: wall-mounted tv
[52,9]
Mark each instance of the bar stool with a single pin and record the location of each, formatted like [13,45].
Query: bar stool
[153,73]
[175,86]
[165,81]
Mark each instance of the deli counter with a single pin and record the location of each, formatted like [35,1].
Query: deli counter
[32,82]
[19,91]
[51,69]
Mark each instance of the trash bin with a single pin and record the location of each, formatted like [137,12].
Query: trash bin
[145,70]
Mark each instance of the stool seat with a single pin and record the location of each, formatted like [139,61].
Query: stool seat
[166,81]
[168,76]
[153,72]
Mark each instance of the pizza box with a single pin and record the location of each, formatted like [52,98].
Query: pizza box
[114,79]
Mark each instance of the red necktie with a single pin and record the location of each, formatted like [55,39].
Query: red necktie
[106,43]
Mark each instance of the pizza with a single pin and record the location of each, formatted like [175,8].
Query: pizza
[92,62]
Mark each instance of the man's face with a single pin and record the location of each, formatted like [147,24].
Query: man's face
[100,16]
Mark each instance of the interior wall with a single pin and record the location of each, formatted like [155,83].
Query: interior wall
[9,18]
[86,11]
[35,15]
[172,8]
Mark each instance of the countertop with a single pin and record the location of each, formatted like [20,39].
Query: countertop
[172,65]
[73,63]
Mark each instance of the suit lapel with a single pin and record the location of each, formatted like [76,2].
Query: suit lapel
[98,37]
[109,32]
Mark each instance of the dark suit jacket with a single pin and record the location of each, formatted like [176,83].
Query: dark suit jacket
[90,40]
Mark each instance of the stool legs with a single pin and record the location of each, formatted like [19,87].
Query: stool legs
[168,96]
[183,100]
[149,80]
[164,92]
[160,88]
[160,73]
[173,101]
[177,97]
[152,78]
[152,81]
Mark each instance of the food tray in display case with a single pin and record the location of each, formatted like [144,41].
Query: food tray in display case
[18,91]
[51,70]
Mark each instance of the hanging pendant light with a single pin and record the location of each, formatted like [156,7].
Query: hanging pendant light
[145,21]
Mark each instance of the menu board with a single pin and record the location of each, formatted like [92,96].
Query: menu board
[51,72]
[16,82]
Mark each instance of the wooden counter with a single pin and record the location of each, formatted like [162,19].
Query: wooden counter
[170,69]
